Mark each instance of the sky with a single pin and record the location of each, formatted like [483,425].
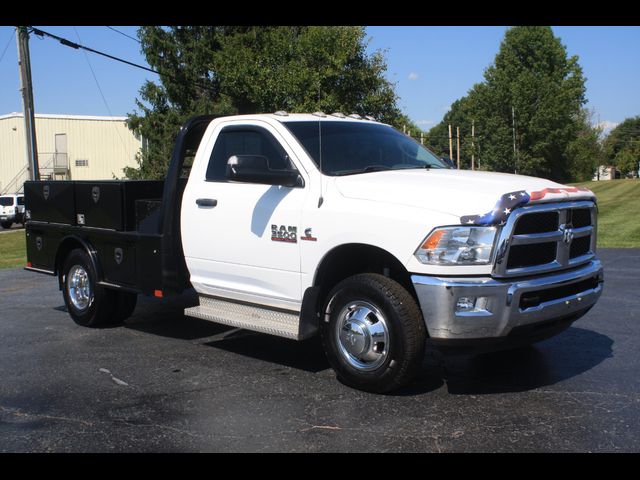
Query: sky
[431,67]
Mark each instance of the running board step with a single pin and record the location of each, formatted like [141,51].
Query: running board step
[250,317]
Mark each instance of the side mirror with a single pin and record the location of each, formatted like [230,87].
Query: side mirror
[255,169]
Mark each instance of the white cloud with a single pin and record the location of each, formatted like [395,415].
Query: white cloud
[425,123]
[607,126]
[413,76]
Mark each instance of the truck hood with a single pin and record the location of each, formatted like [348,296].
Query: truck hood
[462,193]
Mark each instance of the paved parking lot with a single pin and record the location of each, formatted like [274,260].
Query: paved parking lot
[14,227]
[165,382]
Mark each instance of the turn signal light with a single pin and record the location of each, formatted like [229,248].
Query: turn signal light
[433,240]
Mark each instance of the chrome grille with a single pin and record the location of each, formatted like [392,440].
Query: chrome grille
[545,238]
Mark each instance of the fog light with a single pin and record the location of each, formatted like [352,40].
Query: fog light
[473,304]
[465,304]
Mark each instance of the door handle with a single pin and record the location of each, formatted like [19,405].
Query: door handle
[206,202]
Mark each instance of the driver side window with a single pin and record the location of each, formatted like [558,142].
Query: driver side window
[245,141]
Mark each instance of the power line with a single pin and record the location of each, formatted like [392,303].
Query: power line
[7,46]
[100,89]
[69,43]
[122,33]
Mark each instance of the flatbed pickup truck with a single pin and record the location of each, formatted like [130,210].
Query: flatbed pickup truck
[303,224]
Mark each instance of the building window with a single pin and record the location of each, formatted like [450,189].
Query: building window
[82,163]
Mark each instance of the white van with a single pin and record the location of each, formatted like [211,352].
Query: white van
[11,210]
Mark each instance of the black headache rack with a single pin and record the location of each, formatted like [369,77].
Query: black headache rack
[131,228]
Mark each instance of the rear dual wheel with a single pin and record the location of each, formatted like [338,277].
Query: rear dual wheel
[88,303]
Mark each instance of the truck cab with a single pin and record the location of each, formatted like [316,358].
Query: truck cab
[340,226]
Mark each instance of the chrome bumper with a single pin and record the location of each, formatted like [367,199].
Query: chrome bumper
[500,311]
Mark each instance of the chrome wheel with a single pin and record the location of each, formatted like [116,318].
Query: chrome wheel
[362,335]
[79,287]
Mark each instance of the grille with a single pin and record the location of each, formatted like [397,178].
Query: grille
[544,238]
[522,256]
[580,217]
[580,246]
[537,223]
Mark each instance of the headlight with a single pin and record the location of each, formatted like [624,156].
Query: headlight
[457,246]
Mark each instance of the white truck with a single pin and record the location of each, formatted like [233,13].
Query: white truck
[303,224]
[11,210]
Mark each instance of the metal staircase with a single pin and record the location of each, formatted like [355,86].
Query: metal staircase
[15,185]
[52,170]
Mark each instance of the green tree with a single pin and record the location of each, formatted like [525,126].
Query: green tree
[627,159]
[461,115]
[533,77]
[188,86]
[238,70]
[585,152]
[622,145]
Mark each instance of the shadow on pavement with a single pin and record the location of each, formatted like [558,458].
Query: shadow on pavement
[567,355]
[165,318]
[306,355]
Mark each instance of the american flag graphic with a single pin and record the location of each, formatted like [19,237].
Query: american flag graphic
[512,200]
[498,216]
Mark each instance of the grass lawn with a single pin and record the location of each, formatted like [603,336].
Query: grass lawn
[618,212]
[13,249]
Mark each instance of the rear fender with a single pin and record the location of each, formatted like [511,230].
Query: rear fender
[70,243]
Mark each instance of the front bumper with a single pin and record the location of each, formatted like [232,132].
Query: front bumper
[508,306]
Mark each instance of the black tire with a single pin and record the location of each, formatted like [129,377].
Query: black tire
[400,359]
[6,225]
[125,305]
[102,302]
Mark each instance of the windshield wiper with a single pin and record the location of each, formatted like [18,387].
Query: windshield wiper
[370,168]
[423,167]
[376,168]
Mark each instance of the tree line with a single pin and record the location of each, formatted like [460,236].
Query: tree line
[528,113]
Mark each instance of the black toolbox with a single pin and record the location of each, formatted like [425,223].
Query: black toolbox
[112,204]
[50,201]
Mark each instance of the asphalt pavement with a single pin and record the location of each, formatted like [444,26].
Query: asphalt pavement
[169,383]
[13,228]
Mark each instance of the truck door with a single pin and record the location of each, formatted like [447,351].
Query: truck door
[241,239]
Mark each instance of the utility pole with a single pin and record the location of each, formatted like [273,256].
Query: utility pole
[515,153]
[450,145]
[24,62]
[458,145]
[473,134]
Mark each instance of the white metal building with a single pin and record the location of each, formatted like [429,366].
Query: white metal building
[70,147]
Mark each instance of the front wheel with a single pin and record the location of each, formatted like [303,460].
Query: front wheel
[6,225]
[374,335]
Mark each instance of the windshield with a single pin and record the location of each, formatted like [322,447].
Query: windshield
[351,147]
[6,201]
